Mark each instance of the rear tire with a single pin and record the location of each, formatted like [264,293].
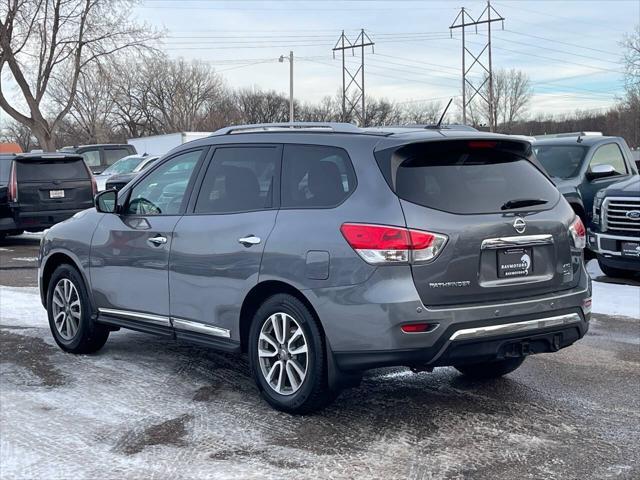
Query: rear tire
[615,272]
[70,312]
[490,370]
[291,368]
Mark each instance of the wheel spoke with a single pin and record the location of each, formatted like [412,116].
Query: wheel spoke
[296,366]
[299,350]
[296,334]
[267,338]
[280,377]
[55,319]
[272,371]
[266,353]
[55,298]
[285,327]
[291,375]
[276,328]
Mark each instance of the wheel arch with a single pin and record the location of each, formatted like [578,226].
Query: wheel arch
[257,295]
[53,261]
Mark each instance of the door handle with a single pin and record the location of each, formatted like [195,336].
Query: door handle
[158,240]
[249,240]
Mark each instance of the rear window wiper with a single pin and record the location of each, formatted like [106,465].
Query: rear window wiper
[522,202]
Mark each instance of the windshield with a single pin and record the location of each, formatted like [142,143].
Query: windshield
[124,165]
[561,161]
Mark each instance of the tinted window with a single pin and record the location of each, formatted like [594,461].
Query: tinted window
[239,179]
[92,158]
[162,191]
[112,155]
[561,161]
[47,170]
[457,178]
[609,154]
[315,176]
[5,171]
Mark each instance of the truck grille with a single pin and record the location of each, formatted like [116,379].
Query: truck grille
[615,216]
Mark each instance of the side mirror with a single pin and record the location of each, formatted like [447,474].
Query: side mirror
[107,201]
[601,171]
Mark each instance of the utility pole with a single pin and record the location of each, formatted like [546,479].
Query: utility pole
[463,20]
[356,104]
[281,60]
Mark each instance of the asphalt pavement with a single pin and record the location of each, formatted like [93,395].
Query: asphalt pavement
[145,407]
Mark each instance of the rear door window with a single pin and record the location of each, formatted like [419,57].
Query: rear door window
[239,179]
[48,170]
[561,161]
[468,177]
[112,155]
[315,176]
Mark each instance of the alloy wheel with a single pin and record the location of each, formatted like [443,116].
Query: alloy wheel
[283,353]
[66,308]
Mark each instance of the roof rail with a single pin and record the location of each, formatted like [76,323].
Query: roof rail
[569,134]
[332,127]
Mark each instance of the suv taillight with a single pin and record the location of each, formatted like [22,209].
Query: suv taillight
[12,191]
[94,184]
[380,244]
[578,233]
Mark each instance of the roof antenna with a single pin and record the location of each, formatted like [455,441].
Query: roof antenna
[444,113]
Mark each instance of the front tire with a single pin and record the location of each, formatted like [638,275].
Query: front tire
[69,311]
[490,370]
[287,356]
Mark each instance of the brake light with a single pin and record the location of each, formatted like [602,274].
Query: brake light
[12,191]
[578,233]
[482,144]
[379,244]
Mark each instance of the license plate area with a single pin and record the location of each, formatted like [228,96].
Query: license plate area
[630,249]
[56,193]
[515,262]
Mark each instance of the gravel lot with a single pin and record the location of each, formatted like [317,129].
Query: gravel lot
[148,408]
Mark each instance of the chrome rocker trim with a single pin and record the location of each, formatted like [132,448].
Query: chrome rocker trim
[170,322]
[508,328]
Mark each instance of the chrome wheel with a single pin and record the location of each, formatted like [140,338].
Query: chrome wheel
[66,307]
[283,353]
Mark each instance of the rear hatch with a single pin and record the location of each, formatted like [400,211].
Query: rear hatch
[53,182]
[507,226]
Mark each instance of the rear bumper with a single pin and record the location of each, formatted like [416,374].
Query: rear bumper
[36,220]
[480,342]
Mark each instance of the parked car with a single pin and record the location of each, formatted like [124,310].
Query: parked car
[615,236]
[131,164]
[99,157]
[38,190]
[582,164]
[324,250]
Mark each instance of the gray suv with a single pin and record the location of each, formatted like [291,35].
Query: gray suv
[324,250]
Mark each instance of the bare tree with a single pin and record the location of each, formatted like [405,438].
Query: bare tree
[20,134]
[44,42]
[511,96]
[257,106]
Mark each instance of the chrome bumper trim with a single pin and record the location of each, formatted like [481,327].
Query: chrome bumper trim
[522,241]
[144,317]
[598,249]
[507,328]
[198,327]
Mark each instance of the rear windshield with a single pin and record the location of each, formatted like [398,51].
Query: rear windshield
[47,170]
[124,165]
[561,161]
[470,177]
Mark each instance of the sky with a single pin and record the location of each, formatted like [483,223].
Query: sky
[569,49]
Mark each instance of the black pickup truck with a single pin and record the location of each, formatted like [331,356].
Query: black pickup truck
[615,232]
[39,190]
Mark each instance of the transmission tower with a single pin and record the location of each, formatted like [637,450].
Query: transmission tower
[464,20]
[353,89]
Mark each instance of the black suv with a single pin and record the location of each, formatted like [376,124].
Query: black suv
[99,157]
[582,164]
[40,190]
[615,236]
